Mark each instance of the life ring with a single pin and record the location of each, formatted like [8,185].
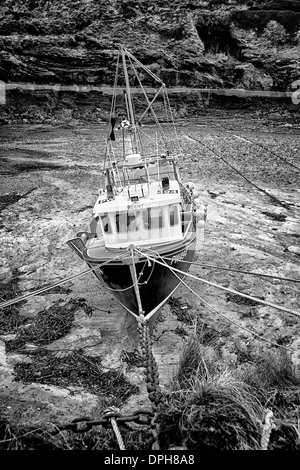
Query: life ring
[125,124]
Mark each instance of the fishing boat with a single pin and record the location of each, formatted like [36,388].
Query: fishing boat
[144,209]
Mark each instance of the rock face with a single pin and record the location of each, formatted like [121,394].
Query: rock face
[75,42]
[207,44]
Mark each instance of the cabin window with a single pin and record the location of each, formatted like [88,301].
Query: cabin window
[95,227]
[136,175]
[161,169]
[121,221]
[166,169]
[105,223]
[127,221]
[173,214]
[153,218]
[133,222]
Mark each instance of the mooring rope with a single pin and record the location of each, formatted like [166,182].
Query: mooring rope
[271,196]
[237,270]
[222,314]
[134,284]
[56,284]
[233,321]
[117,433]
[265,148]
[114,425]
[227,289]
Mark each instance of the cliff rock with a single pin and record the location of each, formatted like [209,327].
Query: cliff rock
[190,43]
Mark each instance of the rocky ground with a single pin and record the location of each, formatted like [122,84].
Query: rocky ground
[49,178]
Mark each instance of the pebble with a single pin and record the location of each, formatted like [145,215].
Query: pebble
[293,249]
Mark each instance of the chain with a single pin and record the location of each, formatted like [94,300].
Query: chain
[84,424]
[152,378]
[112,416]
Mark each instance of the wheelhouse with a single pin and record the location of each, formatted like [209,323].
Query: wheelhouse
[145,225]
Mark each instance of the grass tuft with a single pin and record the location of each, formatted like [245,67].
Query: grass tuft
[209,407]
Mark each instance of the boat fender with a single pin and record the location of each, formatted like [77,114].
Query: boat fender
[197,202]
[84,237]
[200,224]
[199,214]
[200,234]
[195,194]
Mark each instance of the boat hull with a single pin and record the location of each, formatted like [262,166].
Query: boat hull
[156,282]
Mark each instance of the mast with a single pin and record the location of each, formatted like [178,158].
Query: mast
[128,100]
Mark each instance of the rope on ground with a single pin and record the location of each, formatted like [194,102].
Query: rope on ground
[271,196]
[237,270]
[265,148]
[56,284]
[232,291]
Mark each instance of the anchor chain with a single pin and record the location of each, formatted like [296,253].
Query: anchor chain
[152,377]
[84,424]
[112,416]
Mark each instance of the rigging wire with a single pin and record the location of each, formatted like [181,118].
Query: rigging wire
[151,102]
[155,77]
[152,140]
[136,129]
[112,110]
[166,97]
[147,99]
